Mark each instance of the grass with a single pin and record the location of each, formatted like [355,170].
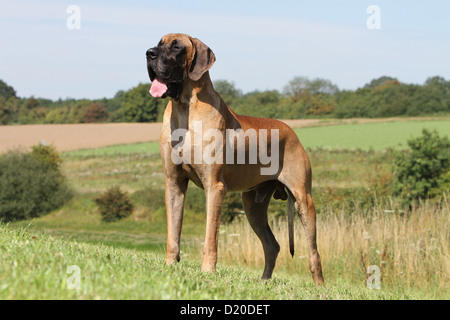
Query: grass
[117,258]
[365,136]
[138,148]
[411,249]
[133,171]
[38,266]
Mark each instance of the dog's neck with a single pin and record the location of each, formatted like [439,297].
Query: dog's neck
[199,94]
[192,90]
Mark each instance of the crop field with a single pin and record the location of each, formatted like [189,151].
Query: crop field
[371,135]
[125,259]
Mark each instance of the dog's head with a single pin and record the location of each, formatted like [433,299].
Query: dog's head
[176,59]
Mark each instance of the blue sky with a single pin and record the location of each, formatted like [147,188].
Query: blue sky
[258,44]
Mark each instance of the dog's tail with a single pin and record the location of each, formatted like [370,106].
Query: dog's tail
[283,193]
[290,214]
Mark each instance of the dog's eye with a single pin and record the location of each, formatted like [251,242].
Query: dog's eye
[176,46]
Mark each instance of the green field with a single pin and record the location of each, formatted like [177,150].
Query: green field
[125,259]
[376,136]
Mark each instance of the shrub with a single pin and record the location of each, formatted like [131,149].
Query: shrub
[114,204]
[424,169]
[30,186]
[47,154]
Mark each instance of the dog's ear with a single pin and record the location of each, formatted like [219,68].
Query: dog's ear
[203,60]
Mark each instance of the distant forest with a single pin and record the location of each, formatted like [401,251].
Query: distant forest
[301,98]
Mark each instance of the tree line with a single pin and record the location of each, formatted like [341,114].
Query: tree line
[302,97]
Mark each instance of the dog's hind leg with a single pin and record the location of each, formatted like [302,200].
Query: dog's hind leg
[305,207]
[256,213]
[299,187]
[307,212]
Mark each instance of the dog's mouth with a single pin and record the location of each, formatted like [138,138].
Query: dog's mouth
[158,89]
[162,89]
[165,86]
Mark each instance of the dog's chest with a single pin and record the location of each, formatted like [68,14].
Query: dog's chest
[187,150]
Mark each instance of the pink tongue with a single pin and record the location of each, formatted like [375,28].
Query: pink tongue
[158,88]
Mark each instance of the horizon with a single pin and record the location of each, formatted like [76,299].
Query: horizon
[213,80]
[48,53]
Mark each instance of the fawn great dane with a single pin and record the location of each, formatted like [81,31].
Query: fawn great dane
[238,155]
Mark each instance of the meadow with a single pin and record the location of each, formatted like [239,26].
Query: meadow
[124,259]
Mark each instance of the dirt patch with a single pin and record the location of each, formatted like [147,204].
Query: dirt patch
[67,137]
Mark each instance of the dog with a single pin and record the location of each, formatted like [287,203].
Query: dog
[179,68]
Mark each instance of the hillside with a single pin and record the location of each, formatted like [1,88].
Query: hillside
[360,224]
[37,266]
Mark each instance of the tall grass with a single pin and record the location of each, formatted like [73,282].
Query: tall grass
[410,248]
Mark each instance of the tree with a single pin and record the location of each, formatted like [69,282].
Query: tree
[113,105]
[5,113]
[139,106]
[9,110]
[432,97]
[76,111]
[299,85]
[59,115]
[30,111]
[380,81]
[296,86]
[322,86]
[96,112]
[6,91]
[258,104]
[391,98]
[307,104]
[227,91]
[437,81]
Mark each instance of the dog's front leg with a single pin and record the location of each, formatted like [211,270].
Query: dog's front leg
[175,195]
[215,193]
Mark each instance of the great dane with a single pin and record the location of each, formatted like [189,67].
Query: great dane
[179,68]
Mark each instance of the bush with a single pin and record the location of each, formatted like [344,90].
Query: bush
[47,154]
[114,204]
[424,169]
[30,186]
